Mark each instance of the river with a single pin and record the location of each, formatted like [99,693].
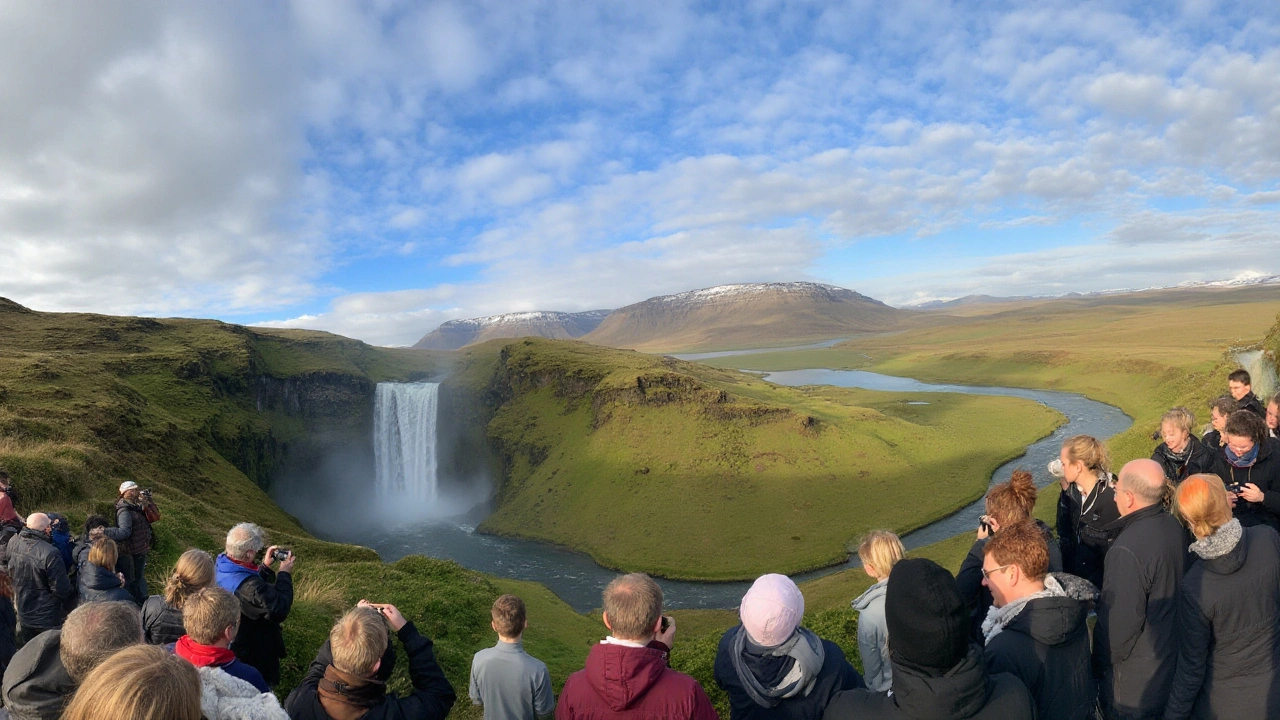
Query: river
[576,579]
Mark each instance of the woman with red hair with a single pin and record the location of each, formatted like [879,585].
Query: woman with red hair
[1229,650]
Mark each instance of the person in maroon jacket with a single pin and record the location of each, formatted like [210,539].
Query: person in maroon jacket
[627,675]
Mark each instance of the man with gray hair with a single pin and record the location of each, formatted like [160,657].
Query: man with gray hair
[1135,641]
[265,596]
[41,587]
[45,673]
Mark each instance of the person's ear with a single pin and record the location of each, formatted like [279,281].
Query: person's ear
[605,616]
[494,624]
[526,625]
[230,633]
[376,667]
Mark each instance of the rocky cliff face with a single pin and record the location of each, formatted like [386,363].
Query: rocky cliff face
[744,316]
[456,334]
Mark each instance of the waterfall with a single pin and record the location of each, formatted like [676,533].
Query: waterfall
[1262,370]
[404,440]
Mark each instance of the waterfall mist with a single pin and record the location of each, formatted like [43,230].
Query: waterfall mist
[1262,370]
[413,462]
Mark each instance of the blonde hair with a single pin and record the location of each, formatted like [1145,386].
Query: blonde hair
[1179,417]
[882,550]
[142,682]
[1090,451]
[193,571]
[104,554]
[634,604]
[208,613]
[1202,503]
[358,641]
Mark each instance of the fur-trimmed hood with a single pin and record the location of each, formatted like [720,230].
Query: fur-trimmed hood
[223,697]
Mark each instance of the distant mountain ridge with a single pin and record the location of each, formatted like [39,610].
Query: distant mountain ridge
[744,315]
[456,334]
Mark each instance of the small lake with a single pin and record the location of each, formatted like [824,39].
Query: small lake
[578,580]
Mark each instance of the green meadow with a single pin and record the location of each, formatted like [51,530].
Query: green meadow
[688,472]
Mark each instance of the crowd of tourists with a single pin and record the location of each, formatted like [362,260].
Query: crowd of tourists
[1175,558]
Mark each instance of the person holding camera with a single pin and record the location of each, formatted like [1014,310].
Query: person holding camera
[348,677]
[265,596]
[134,514]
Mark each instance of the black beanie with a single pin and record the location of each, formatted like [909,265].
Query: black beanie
[927,620]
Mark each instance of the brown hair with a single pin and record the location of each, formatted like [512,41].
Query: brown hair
[1021,544]
[95,630]
[1179,417]
[634,604]
[1225,405]
[882,550]
[193,571]
[1246,423]
[358,640]
[1090,451]
[104,554]
[508,615]
[208,613]
[1202,504]
[139,683]
[1240,376]
[1012,501]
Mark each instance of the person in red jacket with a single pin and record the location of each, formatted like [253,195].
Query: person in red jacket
[626,675]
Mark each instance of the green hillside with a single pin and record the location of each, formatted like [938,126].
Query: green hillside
[684,471]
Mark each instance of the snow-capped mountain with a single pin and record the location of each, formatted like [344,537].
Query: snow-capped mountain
[557,325]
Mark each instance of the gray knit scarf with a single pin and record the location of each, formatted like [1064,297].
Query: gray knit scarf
[808,652]
[1055,585]
[1220,542]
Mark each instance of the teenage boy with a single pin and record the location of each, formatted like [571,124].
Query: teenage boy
[1240,386]
[507,681]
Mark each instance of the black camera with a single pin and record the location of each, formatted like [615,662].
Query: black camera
[146,493]
[984,525]
[280,554]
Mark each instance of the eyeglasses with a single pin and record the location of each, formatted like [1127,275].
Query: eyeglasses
[987,573]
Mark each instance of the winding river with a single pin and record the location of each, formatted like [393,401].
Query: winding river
[578,580]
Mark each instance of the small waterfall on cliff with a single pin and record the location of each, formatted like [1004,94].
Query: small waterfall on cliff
[1262,370]
[404,440]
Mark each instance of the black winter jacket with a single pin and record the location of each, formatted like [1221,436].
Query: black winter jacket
[265,601]
[1229,649]
[36,685]
[41,588]
[1213,441]
[161,622]
[1251,403]
[1135,639]
[966,691]
[98,584]
[1265,473]
[8,633]
[132,532]
[836,675]
[1082,529]
[1200,460]
[1046,646]
[978,597]
[431,699]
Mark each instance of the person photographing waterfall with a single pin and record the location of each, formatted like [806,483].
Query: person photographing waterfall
[135,511]
[265,596]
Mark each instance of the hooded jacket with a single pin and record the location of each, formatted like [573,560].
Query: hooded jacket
[1200,459]
[40,584]
[161,622]
[1229,638]
[623,683]
[964,692]
[224,697]
[432,695]
[873,638]
[36,685]
[1135,639]
[1045,643]
[835,674]
[976,595]
[98,584]
[1265,473]
[265,600]
[1083,529]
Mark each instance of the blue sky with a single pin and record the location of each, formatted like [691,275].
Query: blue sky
[377,168]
